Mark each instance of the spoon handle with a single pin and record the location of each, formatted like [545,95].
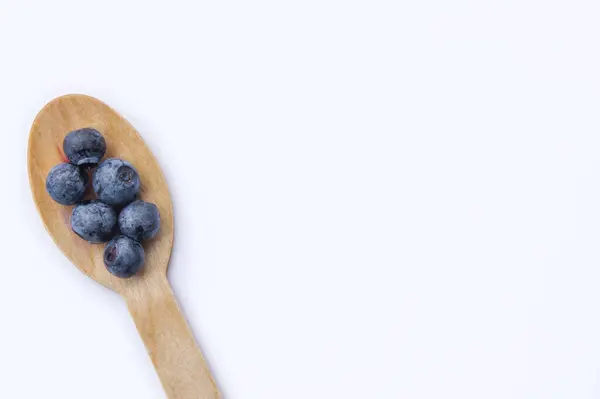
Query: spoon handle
[170,343]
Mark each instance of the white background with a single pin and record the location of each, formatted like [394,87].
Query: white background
[374,199]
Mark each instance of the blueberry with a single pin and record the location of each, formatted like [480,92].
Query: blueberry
[116,182]
[139,220]
[84,147]
[123,256]
[94,221]
[66,184]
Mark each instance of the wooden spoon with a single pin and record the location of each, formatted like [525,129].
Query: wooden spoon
[170,343]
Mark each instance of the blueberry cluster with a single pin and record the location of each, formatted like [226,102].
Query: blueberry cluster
[116,215]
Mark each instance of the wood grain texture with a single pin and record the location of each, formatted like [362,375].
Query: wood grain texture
[165,332]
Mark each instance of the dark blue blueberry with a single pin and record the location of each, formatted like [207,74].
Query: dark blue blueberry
[94,221]
[84,147]
[139,220]
[116,182]
[123,256]
[66,184]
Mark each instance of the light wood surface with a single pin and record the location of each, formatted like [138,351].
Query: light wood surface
[170,343]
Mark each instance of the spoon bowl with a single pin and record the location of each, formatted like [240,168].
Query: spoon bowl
[165,332]
[53,122]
